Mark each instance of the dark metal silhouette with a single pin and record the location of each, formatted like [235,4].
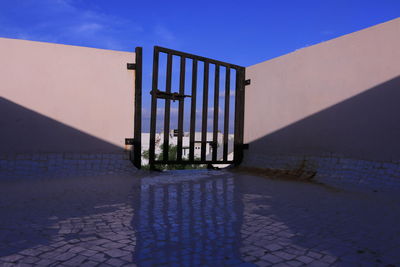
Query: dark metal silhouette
[180,96]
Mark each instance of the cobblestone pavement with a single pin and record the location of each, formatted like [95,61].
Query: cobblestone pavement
[202,218]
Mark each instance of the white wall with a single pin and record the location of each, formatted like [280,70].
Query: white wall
[338,97]
[59,98]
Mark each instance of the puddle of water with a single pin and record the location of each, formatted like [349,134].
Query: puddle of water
[188,218]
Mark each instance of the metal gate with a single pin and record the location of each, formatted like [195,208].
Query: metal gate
[224,143]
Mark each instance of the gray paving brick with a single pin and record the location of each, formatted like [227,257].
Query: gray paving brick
[329,259]
[305,259]
[30,252]
[262,263]
[89,263]
[116,262]
[111,245]
[284,255]
[45,262]
[271,258]
[273,247]
[99,257]
[116,253]
[65,256]
[75,261]
[322,264]
[314,255]
[87,252]
[11,258]
[29,260]
[262,221]
[295,263]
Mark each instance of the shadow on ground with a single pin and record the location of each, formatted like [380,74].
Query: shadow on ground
[194,218]
[49,217]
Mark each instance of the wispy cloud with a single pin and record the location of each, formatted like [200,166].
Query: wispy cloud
[88,27]
[64,22]
[166,36]
[231,94]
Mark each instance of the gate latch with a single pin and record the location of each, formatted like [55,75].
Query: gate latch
[170,96]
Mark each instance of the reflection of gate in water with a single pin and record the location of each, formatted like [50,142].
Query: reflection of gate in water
[188,223]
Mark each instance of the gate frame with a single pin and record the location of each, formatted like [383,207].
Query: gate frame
[168,96]
[135,154]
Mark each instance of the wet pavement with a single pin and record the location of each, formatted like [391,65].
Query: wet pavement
[194,218]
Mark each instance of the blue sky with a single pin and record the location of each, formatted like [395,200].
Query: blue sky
[240,32]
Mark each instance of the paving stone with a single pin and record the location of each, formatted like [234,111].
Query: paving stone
[65,248]
[116,262]
[329,259]
[50,255]
[249,258]
[29,260]
[65,256]
[165,219]
[99,257]
[127,258]
[273,247]
[271,258]
[112,245]
[89,263]
[282,264]
[125,241]
[116,253]
[129,248]
[258,252]
[305,259]
[76,249]
[295,263]
[98,248]
[75,261]
[30,252]
[87,253]
[98,242]
[314,255]
[11,258]
[323,264]
[45,262]
[58,244]
[284,255]
[262,263]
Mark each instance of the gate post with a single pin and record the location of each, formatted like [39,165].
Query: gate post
[137,134]
[239,116]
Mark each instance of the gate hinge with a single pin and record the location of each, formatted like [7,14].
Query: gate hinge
[247,82]
[129,141]
[131,66]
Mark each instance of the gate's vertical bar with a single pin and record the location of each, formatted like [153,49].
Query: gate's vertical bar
[193,110]
[181,108]
[153,117]
[167,112]
[216,110]
[137,125]
[226,112]
[204,117]
[239,116]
